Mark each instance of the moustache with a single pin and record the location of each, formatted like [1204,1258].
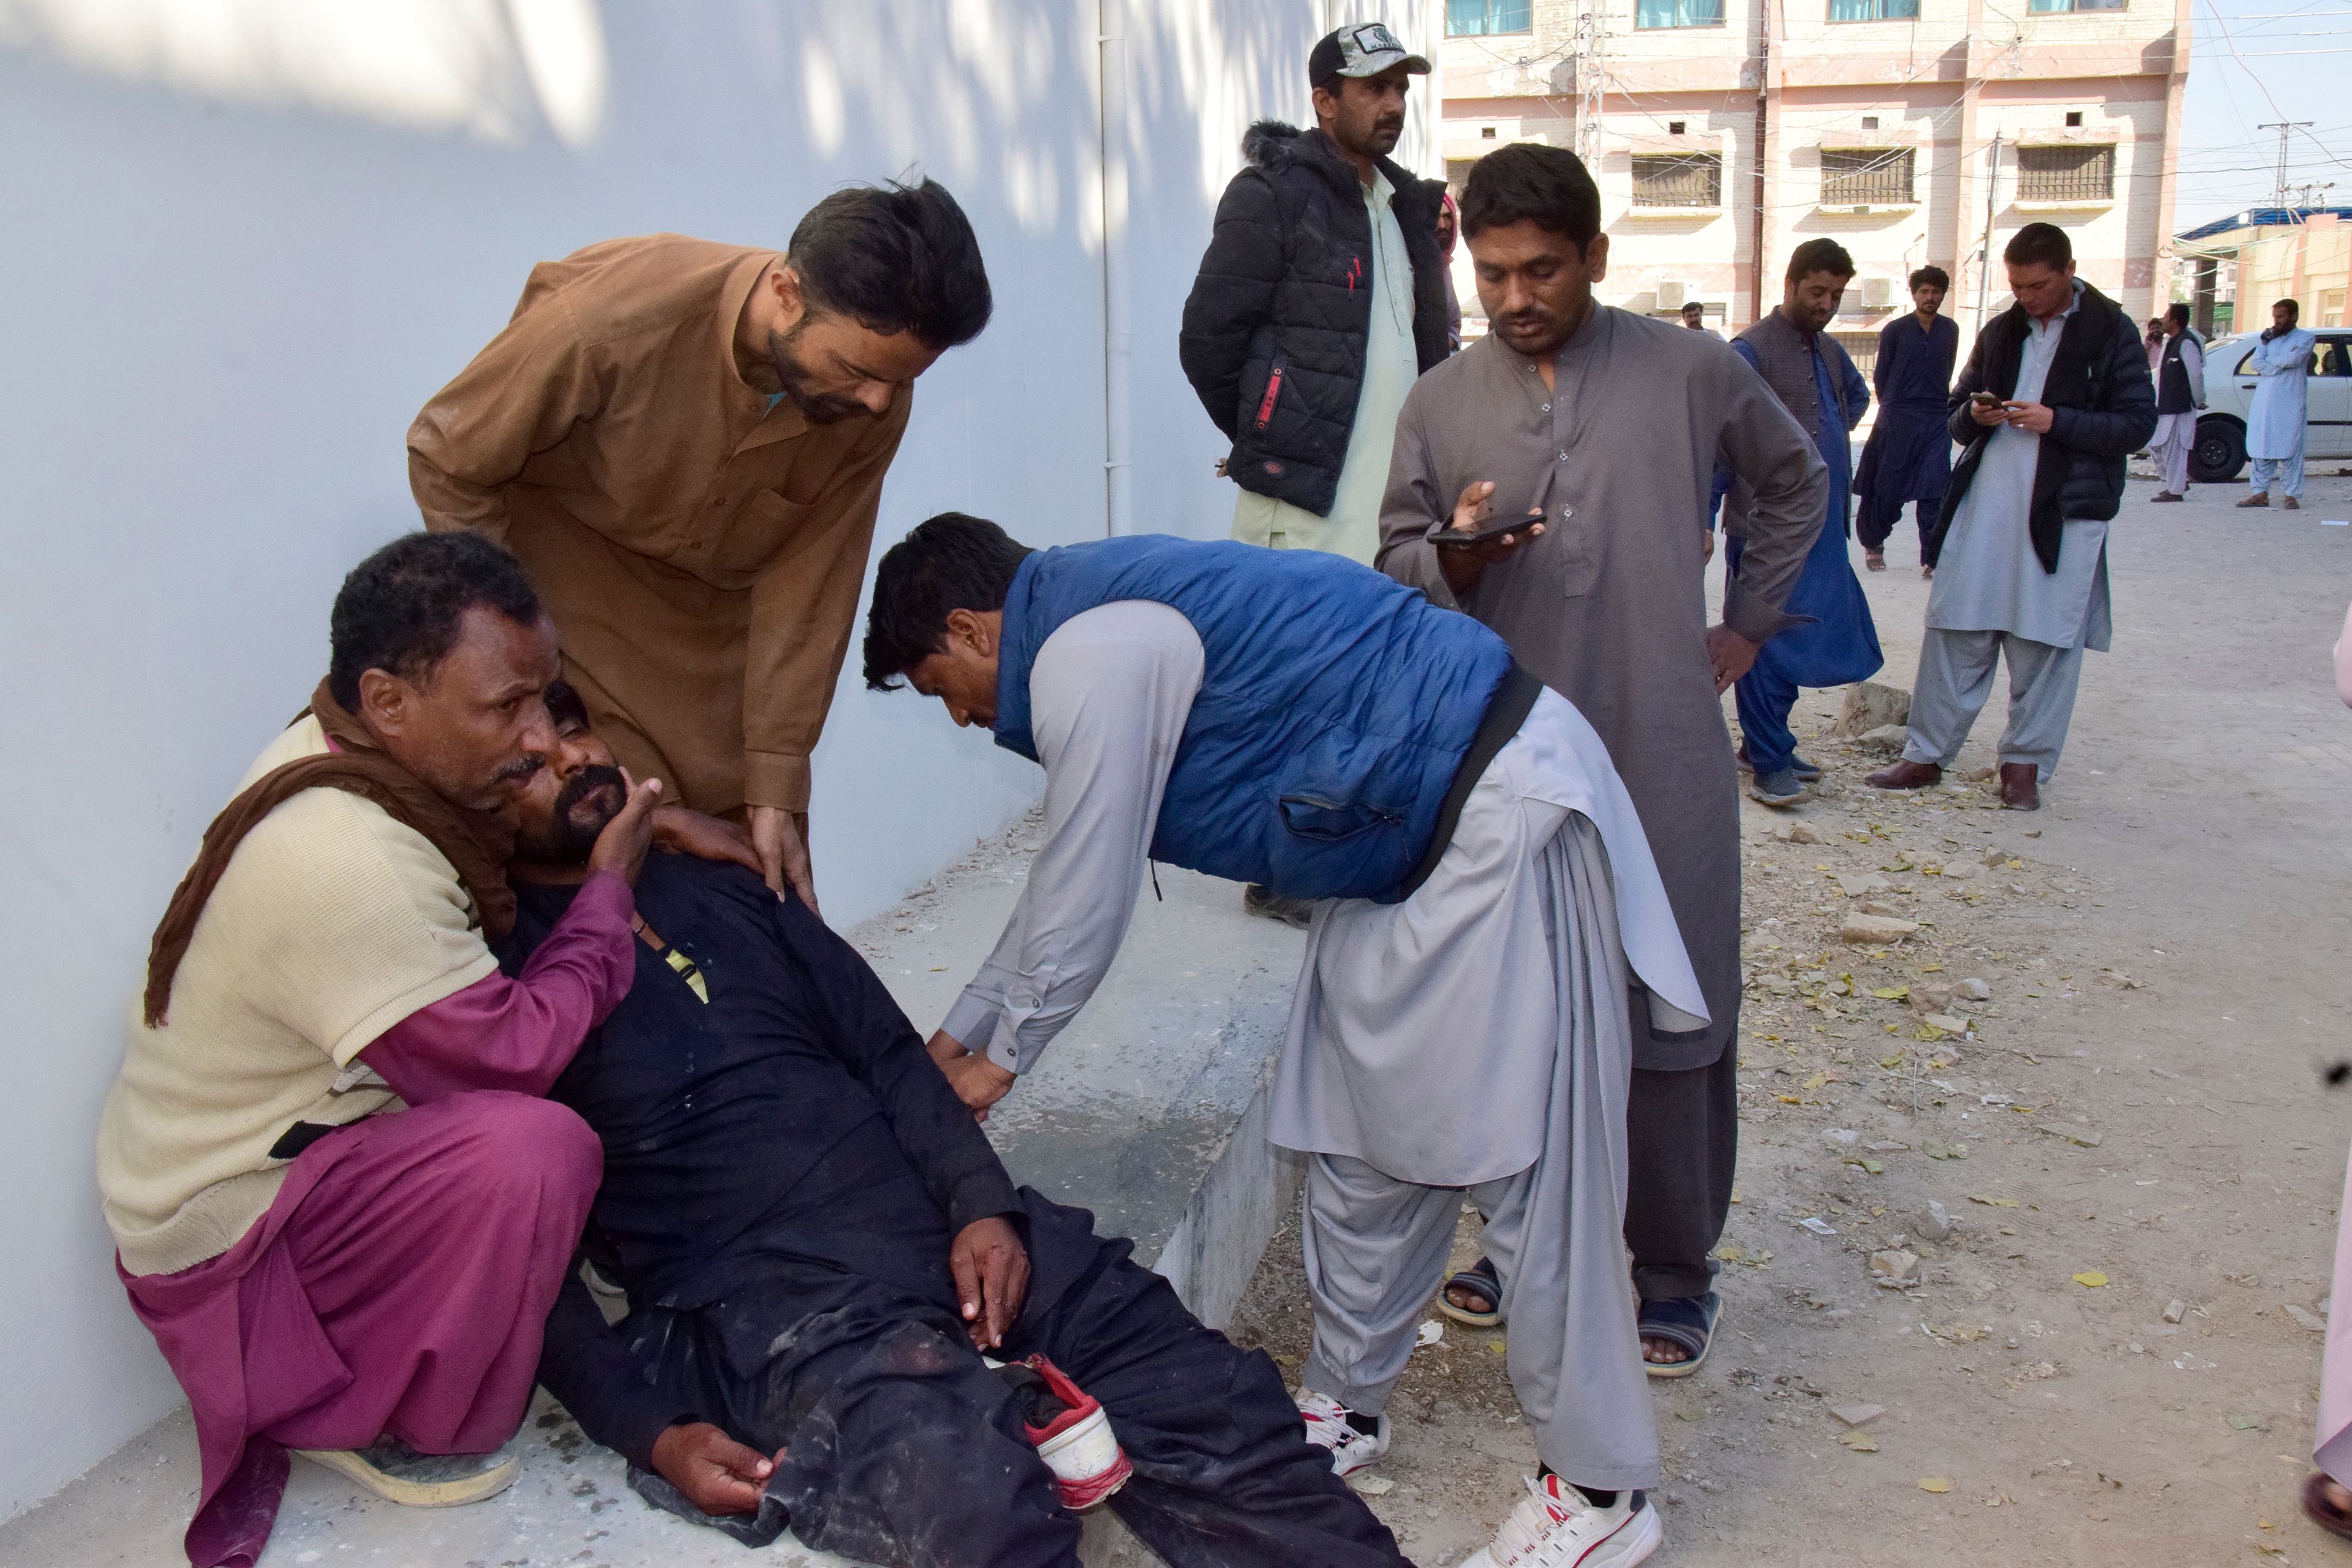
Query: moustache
[522,768]
[594,779]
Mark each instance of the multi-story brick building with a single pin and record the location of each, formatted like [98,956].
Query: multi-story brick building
[1722,130]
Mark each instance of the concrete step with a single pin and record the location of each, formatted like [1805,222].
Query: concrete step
[1149,1110]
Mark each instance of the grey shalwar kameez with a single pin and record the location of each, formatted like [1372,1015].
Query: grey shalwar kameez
[1608,609]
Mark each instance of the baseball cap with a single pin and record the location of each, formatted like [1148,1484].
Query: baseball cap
[1365,48]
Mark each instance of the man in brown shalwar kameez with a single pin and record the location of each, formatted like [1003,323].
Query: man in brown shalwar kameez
[1609,425]
[683,442]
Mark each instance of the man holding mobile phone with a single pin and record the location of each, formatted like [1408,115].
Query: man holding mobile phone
[2056,395]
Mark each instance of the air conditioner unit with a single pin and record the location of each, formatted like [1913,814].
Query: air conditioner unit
[1877,293]
[1672,295]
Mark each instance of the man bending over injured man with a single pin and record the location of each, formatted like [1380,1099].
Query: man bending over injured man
[844,1317]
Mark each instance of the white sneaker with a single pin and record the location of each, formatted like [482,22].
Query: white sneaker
[1328,1427]
[1556,1526]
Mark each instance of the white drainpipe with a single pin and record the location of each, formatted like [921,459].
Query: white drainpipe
[1118,352]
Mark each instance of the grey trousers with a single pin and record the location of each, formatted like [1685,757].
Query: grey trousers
[1956,672]
[1376,1244]
[2176,437]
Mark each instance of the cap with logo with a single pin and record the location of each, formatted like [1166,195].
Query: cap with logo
[1367,48]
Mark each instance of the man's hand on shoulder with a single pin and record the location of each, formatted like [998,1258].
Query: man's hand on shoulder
[621,847]
[977,1082]
[718,1475]
[992,1278]
[705,837]
[783,857]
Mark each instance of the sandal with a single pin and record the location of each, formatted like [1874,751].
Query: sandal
[1688,1320]
[1481,1278]
[2322,1509]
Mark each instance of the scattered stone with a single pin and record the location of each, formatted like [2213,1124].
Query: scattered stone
[2033,833]
[1936,1223]
[1945,1021]
[1869,705]
[1932,996]
[1877,906]
[1860,1442]
[2175,1309]
[1857,1415]
[1869,930]
[1844,1135]
[2081,1137]
[1976,990]
[1862,884]
[2117,979]
[1996,855]
[1895,1267]
[1890,738]
[1796,832]
[2307,1318]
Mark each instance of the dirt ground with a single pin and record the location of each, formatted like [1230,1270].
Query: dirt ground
[2134,1127]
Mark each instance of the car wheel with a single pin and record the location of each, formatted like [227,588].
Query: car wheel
[2219,455]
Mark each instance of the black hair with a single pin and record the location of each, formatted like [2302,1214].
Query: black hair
[897,258]
[2043,244]
[1936,275]
[399,608]
[564,705]
[2176,311]
[1690,305]
[1820,255]
[1530,183]
[951,561]
[2293,309]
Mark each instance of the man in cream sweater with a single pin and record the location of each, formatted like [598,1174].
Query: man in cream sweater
[321,1274]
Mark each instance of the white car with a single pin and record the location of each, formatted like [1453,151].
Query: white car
[2219,454]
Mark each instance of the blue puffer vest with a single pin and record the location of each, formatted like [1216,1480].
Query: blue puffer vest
[1335,706]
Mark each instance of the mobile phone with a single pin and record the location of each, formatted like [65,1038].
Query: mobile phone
[1443,533]
[1985,399]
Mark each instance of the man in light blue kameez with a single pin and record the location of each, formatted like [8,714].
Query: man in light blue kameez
[2280,364]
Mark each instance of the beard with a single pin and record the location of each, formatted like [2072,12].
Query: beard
[816,407]
[583,809]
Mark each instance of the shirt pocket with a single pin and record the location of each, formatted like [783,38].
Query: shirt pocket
[764,524]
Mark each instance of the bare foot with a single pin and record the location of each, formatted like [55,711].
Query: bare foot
[1664,1353]
[1469,1300]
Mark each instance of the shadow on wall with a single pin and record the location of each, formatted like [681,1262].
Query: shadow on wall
[477,67]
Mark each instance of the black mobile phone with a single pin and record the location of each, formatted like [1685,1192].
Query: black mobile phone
[1985,399]
[1443,532]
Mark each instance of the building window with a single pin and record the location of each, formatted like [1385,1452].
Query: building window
[2074,117]
[1678,180]
[1869,122]
[1874,10]
[2047,5]
[1476,18]
[1678,13]
[1675,126]
[1866,176]
[2066,173]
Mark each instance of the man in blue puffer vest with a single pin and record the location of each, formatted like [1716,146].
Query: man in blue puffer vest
[1486,900]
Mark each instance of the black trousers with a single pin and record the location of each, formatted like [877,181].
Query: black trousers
[904,1448]
[1875,518]
[1682,1134]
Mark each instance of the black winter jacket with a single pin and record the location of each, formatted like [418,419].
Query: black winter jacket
[2102,409]
[1275,328]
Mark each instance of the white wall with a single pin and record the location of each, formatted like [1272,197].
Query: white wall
[246,239]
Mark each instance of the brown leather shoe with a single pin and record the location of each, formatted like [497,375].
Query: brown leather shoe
[2017,786]
[1907,774]
[2260,498]
[2288,503]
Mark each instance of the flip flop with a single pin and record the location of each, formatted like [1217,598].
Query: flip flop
[1479,1277]
[2321,1509]
[1689,1321]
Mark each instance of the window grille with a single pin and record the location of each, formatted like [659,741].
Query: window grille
[1477,18]
[2066,173]
[1678,13]
[1678,180]
[1866,176]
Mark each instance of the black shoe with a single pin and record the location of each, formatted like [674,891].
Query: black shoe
[1259,900]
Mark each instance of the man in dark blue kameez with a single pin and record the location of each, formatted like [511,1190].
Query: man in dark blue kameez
[1909,454]
[1817,383]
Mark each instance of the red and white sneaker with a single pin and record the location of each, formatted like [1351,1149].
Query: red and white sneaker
[1332,1426]
[1557,1526]
[1077,1445]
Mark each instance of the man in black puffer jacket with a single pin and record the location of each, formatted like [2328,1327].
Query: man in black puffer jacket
[1321,297]
[2056,395]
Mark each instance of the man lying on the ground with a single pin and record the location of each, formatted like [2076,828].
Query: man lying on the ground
[819,1244]
[323,964]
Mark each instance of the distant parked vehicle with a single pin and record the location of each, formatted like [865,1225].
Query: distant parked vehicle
[2219,454]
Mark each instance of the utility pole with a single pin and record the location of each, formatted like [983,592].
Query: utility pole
[1992,195]
[2285,128]
[1592,44]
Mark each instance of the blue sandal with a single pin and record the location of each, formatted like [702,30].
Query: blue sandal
[1479,1277]
[1686,1320]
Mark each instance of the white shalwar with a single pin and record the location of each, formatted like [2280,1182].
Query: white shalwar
[1473,1036]
[1391,365]
[2280,409]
